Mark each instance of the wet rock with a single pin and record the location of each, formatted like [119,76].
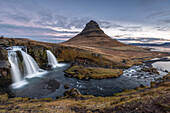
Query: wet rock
[150,70]
[66,86]
[52,84]
[166,71]
[72,93]
[49,66]
[58,97]
[68,75]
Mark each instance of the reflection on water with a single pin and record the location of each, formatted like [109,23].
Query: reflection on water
[157,48]
[165,66]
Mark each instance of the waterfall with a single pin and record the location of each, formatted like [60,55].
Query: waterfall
[30,66]
[52,60]
[16,74]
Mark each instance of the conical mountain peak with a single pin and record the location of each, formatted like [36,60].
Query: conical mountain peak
[91,27]
[92,35]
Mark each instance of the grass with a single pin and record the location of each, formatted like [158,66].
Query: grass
[81,72]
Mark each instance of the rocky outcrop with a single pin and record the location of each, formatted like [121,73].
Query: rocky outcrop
[39,54]
[72,93]
[5,76]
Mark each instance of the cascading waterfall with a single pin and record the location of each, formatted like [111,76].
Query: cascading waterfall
[30,66]
[13,59]
[52,60]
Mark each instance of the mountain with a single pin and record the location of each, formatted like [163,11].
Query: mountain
[92,35]
[143,44]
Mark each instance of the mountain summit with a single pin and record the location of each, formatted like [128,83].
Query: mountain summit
[93,35]
[92,26]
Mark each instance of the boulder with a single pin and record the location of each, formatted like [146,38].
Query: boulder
[66,86]
[52,84]
[72,93]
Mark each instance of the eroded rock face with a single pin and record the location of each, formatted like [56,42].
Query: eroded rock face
[39,54]
[5,76]
[4,63]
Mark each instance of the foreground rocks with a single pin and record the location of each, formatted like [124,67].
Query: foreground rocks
[72,93]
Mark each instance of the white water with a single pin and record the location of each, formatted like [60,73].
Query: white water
[52,60]
[13,59]
[30,66]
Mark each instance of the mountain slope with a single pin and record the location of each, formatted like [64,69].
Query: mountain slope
[92,35]
[94,40]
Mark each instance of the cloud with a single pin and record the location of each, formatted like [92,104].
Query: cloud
[27,18]
[8,28]
[163,28]
[131,28]
[19,18]
[159,14]
[62,22]
[143,40]
[167,21]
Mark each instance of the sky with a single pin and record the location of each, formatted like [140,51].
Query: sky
[62,19]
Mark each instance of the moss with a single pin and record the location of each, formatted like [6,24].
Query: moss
[81,72]
[46,99]
[18,99]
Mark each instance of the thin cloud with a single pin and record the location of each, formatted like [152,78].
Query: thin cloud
[14,28]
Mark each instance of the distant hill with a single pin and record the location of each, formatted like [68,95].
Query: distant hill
[142,44]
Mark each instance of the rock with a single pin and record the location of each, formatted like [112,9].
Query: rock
[94,54]
[3,42]
[5,75]
[4,64]
[150,70]
[124,61]
[166,71]
[52,84]
[49,66]
[72,93]
[58,97]
[66,86]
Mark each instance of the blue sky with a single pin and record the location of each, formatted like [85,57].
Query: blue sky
[62,19]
